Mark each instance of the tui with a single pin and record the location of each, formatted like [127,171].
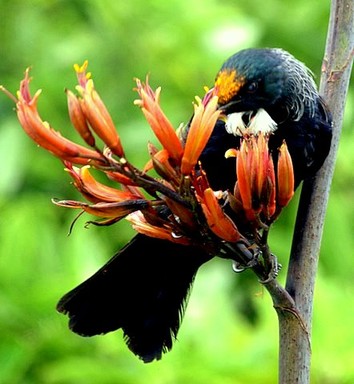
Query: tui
[144,288]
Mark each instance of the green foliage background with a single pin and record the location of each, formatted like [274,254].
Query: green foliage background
[229,334]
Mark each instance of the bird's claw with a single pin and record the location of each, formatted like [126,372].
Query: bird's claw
[275,267]
[239,267]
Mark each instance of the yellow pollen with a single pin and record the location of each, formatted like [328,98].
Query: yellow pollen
[227,85]
[82,69]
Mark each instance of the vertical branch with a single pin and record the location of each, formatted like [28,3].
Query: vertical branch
[295,336]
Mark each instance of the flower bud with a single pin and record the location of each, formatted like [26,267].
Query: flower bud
[285,177]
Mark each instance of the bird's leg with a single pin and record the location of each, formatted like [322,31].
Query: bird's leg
[271,265]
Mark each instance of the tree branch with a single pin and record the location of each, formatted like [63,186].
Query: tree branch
[295,335]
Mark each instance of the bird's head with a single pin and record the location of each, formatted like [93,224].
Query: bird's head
[263,87]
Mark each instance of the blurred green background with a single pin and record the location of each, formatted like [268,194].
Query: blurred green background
[229,333]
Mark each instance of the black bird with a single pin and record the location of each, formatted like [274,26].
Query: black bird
[144,288]
[277,89]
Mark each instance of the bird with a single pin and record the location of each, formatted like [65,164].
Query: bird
[144,288]
[273,85]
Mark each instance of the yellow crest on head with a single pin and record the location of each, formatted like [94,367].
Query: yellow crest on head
[227,84]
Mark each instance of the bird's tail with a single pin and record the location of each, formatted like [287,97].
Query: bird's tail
[143,289]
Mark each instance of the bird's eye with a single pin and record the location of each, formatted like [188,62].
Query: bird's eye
[252,87]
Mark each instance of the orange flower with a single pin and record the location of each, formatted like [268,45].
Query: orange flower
[256,178]
[95,111]
[285,176]
[140,224]
[182,207]
[219,223]
[44,135]
[116,210]
[269,191]
[162,127]
[95,191]
[200,129]
[244,179]
[161,164]
[182,214]
[78,118]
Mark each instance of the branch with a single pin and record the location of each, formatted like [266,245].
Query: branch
[294,335]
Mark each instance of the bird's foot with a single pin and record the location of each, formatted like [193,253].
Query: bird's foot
[238,266]
[274,268]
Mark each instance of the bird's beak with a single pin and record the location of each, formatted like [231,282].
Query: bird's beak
[226,107]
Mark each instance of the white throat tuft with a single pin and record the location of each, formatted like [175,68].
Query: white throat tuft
[260,122]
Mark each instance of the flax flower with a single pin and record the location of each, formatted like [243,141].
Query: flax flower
[45,136]
[200,129]
[149,103]
[179,204]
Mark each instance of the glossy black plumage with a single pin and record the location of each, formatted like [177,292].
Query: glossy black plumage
[143,289]
[275,81]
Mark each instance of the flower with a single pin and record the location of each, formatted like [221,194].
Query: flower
[160,161]
[95,191]
[45,136]
[200,129]
[114,210]
[179,205]
[78,119]
[285,177]
[95,111]
[218,221]
[262,189]
[165,232]
[255,175]
[161,126]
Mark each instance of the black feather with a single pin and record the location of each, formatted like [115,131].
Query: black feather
[143,289]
